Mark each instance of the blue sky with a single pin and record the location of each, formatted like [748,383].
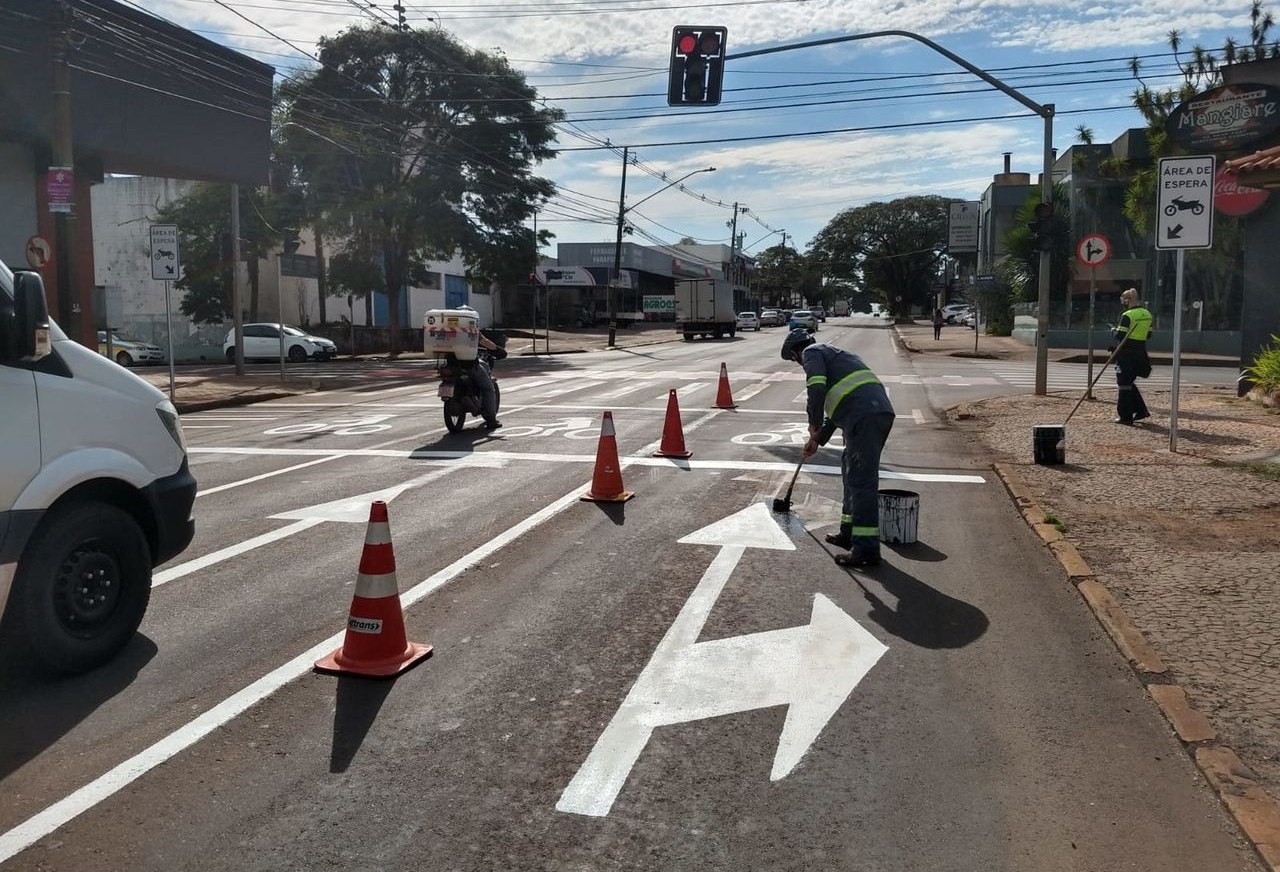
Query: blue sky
[919,125]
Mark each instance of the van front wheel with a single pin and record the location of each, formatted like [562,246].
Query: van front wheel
[82,586]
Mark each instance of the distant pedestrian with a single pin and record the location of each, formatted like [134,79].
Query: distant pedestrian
[843,392]
[938,321]
[1132,361]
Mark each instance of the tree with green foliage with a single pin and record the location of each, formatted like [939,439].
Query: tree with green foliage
[204,229]
[428,147]
[779,271]
[1020,269]
[891,249]
[1211,274]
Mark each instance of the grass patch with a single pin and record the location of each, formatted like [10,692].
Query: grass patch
[1261,468]
[1053,519]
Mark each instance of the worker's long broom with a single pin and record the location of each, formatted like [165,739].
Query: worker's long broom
[1062,443]
[782,505]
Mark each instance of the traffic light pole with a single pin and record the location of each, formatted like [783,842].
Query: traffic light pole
[1045,111]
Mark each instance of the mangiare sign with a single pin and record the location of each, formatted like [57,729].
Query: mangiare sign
[1225,118]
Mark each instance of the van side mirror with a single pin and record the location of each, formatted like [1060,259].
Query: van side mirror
[24,326]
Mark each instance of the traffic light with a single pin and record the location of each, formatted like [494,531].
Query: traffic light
[1042,229]
[697,65]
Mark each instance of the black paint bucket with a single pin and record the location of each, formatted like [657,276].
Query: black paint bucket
[899,516]
[1049,444]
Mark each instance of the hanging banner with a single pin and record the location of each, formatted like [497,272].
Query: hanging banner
[962,227]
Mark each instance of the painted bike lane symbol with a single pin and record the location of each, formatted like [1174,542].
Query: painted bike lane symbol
[794,434]
[570,428]
[362,426]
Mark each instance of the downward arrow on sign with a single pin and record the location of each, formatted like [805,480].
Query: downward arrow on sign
[811,668]
[1174,232]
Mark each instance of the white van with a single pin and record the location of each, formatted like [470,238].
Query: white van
[95,490]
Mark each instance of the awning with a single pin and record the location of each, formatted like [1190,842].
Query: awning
[1260,169]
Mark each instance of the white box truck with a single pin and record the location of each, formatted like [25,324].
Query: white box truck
[95,489]
[704,307]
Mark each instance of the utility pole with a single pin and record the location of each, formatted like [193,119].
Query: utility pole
[61,17]
[617,252]
[237,318]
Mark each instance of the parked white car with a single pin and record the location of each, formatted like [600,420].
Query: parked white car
[262,342]
[748,321]
[953,313]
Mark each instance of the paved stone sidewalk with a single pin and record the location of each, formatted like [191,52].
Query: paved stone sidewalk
[1189,543]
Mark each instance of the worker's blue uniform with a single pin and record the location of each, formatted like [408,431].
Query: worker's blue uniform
[845,393]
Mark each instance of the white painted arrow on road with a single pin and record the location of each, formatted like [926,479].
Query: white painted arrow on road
[812,669]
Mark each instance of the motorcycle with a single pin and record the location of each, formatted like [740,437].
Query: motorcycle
[1177,204]
[459,390]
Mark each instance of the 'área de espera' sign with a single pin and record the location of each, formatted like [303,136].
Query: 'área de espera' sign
[1224,118]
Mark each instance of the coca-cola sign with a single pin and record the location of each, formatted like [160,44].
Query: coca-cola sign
[1232,198]
[1225,118]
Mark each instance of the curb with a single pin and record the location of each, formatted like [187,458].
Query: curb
[1255,811]
[229,402]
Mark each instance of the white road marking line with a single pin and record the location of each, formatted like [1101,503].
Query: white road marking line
[203,417]
[618,392]
[243,481]
[111,782]
[638,459]
[215,557]
[681,392]
[918,416]
[750,392]
[565,389]
[206,427]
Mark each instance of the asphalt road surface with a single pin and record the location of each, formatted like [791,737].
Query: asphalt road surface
[681,681]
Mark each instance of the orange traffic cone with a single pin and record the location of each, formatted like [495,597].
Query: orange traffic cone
[672,431]
[606,481]
[375,644]
[724,399]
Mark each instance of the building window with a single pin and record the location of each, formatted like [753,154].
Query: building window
[303,266]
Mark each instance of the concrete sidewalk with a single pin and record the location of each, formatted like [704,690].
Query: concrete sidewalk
[1178,554]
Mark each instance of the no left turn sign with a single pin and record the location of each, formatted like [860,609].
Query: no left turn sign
[1094,250]
[38,252]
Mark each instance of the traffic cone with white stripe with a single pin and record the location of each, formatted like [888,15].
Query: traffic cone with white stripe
[672,432]
[606,480]
[724,399]
[375,645]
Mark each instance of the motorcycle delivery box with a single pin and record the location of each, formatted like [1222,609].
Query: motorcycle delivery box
[451,332]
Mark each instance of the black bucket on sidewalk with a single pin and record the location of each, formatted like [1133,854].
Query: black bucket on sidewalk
[899,516]
[1049,444]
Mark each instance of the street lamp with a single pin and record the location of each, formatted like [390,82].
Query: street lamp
[623,209]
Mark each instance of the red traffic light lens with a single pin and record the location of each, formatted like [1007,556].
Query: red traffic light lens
[710,43]
[687,43]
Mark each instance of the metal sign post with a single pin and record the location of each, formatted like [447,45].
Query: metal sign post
[1184,219]
[166,265]
[1093,251]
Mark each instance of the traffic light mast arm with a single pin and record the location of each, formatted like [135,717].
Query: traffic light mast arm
[1045,111]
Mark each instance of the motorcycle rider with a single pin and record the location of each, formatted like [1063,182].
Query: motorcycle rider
[484,380]
[483,377]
